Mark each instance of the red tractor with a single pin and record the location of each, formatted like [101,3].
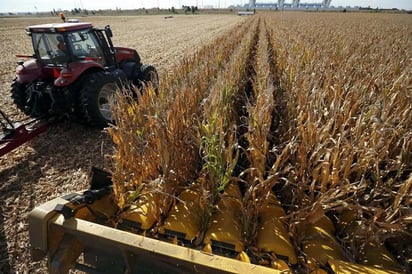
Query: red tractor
[74,72]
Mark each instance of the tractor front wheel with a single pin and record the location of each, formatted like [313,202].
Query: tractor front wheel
[96,95]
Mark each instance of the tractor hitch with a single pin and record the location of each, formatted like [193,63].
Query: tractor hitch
[16,134]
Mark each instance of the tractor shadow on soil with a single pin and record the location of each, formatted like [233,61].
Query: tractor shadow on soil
[55,163]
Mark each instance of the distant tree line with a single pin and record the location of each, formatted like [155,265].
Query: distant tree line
[186,9]
[192,9]
[74,11]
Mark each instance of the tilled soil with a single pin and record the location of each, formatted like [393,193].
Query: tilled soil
[58,161]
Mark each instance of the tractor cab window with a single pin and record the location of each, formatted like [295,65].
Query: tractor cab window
[84,45]
[50,48]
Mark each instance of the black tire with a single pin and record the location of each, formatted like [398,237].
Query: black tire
[18,93]
[148,75]
[97,90]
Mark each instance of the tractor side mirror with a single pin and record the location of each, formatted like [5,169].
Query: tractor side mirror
[108,31]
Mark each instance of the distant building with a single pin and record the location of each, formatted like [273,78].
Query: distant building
[252,4]
[295,4]
[266,5]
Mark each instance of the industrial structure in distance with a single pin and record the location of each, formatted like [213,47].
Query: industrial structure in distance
[295,4]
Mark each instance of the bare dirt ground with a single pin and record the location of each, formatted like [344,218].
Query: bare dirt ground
[58,161]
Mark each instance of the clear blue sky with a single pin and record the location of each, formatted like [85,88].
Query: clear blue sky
[47,5]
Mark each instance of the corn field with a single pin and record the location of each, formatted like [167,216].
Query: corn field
[284,142]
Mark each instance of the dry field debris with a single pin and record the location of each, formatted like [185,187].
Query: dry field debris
[295,123]
[299,123]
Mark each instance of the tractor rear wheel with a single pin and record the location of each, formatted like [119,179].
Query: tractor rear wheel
[18,93]
[96,95]
[148,75]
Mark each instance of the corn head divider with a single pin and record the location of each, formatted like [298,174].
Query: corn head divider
[70,230]
[15,134]
[77,232]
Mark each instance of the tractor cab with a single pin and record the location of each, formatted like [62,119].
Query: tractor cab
[59,44]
